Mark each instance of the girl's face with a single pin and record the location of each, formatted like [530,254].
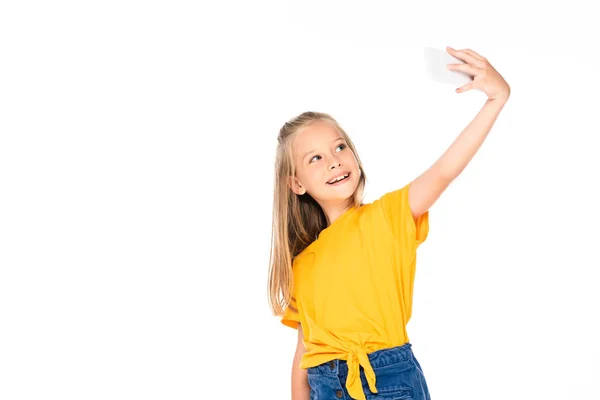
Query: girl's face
[321,154]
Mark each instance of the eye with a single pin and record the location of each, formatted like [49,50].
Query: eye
[342,145]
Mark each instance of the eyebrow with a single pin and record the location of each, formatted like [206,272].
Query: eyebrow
[333,141]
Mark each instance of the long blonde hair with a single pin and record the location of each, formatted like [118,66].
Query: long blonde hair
[297,220]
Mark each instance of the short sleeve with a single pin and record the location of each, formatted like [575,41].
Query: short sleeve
[397,212]
[290,317]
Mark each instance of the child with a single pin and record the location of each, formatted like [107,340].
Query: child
[346,269]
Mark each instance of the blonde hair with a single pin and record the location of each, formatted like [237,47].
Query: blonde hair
[297,220]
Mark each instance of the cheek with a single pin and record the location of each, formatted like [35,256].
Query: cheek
[317,178]
[350,160]
[310,178]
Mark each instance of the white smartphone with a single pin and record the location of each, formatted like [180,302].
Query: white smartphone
[436,62]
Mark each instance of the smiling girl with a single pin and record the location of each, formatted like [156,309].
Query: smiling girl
[341,272]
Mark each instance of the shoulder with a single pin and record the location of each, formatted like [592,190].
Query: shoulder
[392,195]
[305,256]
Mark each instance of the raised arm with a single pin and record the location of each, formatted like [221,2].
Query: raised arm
[427,187]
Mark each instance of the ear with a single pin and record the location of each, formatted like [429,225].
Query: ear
[295,185]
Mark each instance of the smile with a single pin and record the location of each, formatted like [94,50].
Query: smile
[338,179]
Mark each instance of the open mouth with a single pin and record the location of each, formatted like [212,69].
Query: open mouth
[339,180]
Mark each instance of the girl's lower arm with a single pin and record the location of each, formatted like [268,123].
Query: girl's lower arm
[300,387]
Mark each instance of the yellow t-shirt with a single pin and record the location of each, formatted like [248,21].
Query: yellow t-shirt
[353,285]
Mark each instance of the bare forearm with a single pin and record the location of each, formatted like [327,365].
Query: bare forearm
[300,387]
[461,151]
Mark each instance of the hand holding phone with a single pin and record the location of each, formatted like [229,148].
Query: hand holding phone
[436,62]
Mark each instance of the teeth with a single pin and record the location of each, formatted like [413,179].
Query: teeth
[339,178]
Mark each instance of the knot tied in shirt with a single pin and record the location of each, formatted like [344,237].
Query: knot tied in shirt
[357,356]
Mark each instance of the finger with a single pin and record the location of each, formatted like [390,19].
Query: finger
[474,54]
[461,55]
[466,68]
[465,88]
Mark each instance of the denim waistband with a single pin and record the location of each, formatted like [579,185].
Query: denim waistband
[377,359]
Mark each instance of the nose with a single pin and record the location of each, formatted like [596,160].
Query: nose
[336,164]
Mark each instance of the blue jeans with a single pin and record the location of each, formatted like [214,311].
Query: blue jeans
[398,377]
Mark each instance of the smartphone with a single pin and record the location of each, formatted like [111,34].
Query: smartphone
[436,62]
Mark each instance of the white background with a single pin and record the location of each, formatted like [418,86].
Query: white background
[137,144]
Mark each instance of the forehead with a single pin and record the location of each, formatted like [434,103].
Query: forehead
[318,134]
